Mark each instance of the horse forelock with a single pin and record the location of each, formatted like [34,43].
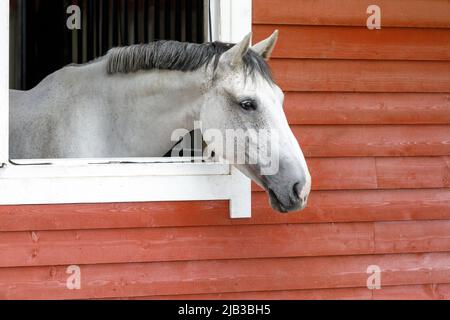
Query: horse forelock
[180,56]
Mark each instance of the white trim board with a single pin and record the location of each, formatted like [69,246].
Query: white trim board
[4,81]
[122,180]
[20,186]
[69,168]
[232,19]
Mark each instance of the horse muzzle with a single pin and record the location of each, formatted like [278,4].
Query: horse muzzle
[290,197]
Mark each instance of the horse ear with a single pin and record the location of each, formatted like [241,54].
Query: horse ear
[265,47]
[233,57]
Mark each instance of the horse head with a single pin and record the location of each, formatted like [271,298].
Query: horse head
[245,106]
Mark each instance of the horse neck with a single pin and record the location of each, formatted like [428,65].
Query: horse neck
[158,89]
[147,106]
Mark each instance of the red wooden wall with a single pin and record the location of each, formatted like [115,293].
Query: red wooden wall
[372,112]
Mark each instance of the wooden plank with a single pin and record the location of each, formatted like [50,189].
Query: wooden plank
[318,294]
[407,236]
[413,172]
[216,276]
[373,140]
[363,205]
[415,292]
[361,75]
[319,42]
[398,13]
[367,108]
[377,173]
[38,248]
[323,206]
[406,292]
[113,215]
[353,173]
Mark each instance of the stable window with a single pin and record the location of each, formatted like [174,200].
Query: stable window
[39,181]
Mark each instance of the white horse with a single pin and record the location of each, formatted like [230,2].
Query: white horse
[129,102]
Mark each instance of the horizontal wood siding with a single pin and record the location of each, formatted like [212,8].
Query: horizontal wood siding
[395,13]
[361,75]
[324,42]
[367,108]
[219,276]
[406,292]
[371,110]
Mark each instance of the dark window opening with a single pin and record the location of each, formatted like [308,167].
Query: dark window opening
[41,43]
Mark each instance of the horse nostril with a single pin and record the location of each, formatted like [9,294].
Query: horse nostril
[296,191]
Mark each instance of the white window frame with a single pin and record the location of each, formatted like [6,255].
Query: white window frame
[122,180]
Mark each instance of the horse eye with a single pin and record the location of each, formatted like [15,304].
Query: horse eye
[248,105]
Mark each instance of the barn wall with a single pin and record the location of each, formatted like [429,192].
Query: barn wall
[372,112]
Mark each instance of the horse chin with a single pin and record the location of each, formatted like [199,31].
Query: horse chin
[277,202]
[279,206]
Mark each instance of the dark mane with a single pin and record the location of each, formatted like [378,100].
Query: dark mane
[181,56]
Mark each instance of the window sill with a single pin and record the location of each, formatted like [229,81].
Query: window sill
[124,180]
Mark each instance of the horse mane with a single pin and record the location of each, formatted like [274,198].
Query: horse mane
[181,56]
